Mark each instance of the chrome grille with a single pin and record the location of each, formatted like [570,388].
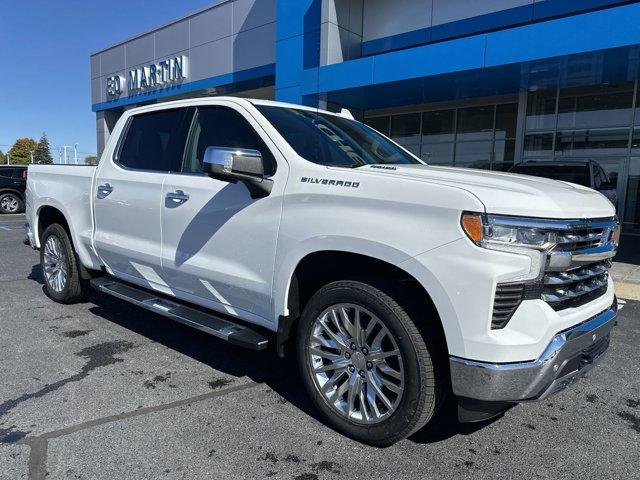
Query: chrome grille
[576,271]
[577,286]
[578,239]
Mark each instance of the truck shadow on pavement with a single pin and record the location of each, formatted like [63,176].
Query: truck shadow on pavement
[261,367]
[36,274]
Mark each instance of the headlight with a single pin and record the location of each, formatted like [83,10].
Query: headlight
[506,234]
[496,231]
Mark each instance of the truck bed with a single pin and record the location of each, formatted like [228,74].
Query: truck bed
[66,188]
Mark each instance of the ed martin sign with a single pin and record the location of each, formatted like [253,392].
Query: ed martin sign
[164,73]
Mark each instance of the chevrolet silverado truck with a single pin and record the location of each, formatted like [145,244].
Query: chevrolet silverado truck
[398,285]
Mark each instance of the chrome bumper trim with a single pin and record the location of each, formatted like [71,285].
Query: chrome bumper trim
[559,365]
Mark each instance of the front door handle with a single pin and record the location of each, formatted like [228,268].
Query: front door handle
[104,191]
[178,197]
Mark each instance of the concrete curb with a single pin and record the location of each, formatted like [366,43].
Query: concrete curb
[627,291]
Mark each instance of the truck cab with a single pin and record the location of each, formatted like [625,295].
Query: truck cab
[397,285]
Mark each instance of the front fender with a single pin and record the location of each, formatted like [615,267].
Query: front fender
[411,265]
[326,243]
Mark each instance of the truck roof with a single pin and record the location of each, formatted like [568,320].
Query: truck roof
[239,100]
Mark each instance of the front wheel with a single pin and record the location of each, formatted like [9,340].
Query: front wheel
[365,364]
[60,268]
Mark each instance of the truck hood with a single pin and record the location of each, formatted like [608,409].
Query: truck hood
[511,194]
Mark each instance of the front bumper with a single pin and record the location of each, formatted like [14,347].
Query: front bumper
[569,355]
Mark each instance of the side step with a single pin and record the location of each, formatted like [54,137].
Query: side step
[206,322]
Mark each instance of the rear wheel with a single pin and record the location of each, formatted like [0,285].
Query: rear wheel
[60,268]
[365,364]
[11,203]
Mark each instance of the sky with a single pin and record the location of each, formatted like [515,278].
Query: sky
[44,62]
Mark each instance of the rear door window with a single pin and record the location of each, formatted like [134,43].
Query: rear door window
[155,141]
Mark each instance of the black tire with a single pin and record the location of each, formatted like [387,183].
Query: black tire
[423,392]
[11,203]
[75,288]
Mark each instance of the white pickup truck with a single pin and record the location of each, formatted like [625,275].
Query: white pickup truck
[400,285]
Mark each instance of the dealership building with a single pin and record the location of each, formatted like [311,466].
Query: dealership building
[480,84]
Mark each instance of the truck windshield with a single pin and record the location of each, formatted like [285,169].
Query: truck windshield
[332,140]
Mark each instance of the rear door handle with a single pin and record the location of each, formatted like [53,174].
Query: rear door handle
[178,197]
[104,191]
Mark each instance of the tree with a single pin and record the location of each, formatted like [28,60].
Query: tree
[91,160]
[42,152]
[3,158]
[20,153]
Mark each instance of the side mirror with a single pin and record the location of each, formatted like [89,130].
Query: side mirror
[237,164]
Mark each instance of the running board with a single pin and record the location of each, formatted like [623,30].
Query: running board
[206,322]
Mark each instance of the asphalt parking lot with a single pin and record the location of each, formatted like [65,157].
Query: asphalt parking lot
[104,390]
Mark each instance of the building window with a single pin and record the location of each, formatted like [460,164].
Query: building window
[476,137]
[504,147]
[380,124]
[405,129]
[605,106]
[438,136]
[538,145]
[592,142]
[541,110]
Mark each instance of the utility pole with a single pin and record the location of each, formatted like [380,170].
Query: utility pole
[66,158]
[31,152]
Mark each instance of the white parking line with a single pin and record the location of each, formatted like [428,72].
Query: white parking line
[6,229]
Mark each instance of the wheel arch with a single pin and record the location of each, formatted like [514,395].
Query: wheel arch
[319,267]
[12,190]
[47,215]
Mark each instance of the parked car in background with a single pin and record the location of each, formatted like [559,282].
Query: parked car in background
[587,173]
[13,182]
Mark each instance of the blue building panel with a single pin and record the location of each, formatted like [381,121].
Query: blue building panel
[297,45]
[332,77]
[428,60]
[599,30]
[296,17]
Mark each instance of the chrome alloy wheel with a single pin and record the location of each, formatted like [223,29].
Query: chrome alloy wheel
[356,363]
[9,204]
[55,264]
